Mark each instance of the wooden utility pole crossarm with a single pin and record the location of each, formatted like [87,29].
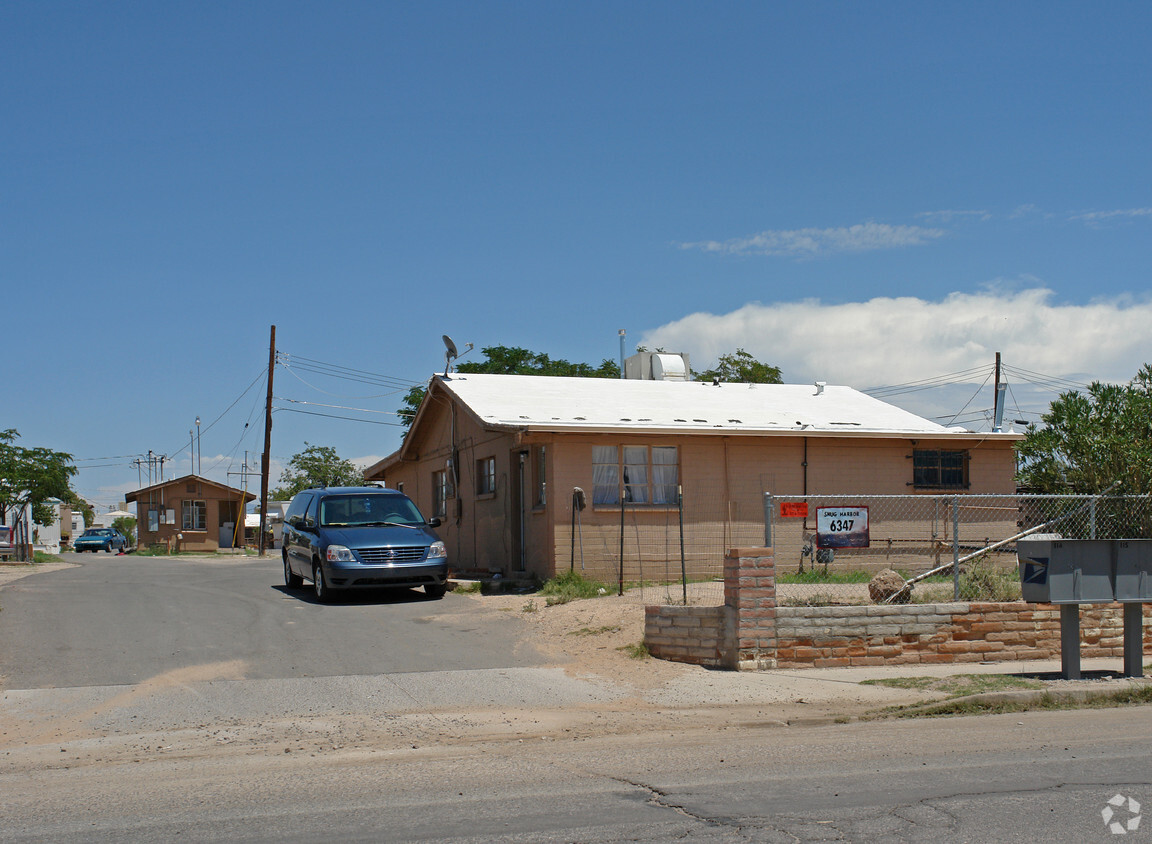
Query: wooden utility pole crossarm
[267,443]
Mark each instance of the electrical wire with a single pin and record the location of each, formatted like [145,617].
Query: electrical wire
[338,406]
[344,372]
[335,416]
[962,377]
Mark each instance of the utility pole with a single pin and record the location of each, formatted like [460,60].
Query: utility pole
[997,401]
[267,442]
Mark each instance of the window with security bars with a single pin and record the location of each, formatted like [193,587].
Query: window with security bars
[939,469]
[648,475]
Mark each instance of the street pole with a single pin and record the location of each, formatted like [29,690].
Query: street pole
[267,442]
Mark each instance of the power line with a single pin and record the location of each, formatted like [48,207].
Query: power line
[334,416]
[346,373]
[337,406]
[962,377]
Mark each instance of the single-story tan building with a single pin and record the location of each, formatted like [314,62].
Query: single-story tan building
[190,514]
[506,460]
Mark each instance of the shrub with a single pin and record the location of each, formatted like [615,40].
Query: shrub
[571,585]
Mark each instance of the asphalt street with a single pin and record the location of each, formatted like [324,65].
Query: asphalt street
[198,700]
[124,619]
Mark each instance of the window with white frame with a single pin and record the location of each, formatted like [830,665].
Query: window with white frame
[648,475]
[194,515]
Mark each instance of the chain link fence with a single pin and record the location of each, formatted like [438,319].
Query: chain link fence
[920,548]
[664,554]
[930,548]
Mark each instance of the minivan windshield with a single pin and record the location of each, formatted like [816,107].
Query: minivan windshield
[361,509]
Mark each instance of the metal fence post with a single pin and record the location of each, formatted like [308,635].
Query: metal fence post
[956,547]
[768,514]
[683,565]
[1092,517]
[623,495]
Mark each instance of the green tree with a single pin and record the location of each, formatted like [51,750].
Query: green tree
[1092,441]
[513,360]
[31,476]
[741,368]
[127,526]
[316,465]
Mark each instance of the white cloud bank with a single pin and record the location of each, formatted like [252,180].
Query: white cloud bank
[811,243]
[889,341]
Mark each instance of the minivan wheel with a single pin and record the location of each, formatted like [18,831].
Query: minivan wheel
[435,590]
[319,587]
[291,579]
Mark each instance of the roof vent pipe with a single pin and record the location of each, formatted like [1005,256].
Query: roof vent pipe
[820,385]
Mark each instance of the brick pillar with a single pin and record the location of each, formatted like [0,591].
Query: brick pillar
[750,596]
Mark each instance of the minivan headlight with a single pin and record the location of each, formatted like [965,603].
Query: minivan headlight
[437,550]
[340,554]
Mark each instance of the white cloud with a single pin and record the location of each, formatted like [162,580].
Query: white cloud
[890,341]
[951,216]
[810,243]
[1095,218]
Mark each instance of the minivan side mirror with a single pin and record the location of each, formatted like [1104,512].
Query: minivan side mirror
[434,522]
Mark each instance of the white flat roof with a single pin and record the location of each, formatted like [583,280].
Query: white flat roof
[597,404]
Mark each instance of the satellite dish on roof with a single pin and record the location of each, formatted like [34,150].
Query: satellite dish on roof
[450,353]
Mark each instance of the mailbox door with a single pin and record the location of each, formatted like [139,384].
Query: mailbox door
[1134,570]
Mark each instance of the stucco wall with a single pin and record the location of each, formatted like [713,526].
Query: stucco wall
[723,479]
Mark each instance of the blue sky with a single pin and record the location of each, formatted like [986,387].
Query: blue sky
[867,194]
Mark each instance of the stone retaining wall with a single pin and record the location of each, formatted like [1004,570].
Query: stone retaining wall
[826,637]
[751,632]
[696,635]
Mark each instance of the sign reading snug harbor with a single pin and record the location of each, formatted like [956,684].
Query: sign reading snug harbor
[841,527]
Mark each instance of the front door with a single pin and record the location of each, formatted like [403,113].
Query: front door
[519,497]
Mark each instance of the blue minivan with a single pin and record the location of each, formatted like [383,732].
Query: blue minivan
[361,538]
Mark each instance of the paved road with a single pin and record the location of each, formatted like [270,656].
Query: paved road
[1026,778]
[124,619]
[196,700]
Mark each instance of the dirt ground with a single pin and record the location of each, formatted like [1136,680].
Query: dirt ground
[599,636]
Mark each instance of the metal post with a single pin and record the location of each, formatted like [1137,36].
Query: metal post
[1133,640]
[621,576]
[768,514]
[955,547]
[1092,517]
[1070,641]
[683,566]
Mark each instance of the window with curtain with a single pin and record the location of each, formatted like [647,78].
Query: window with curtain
[649,475]
[605,475]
